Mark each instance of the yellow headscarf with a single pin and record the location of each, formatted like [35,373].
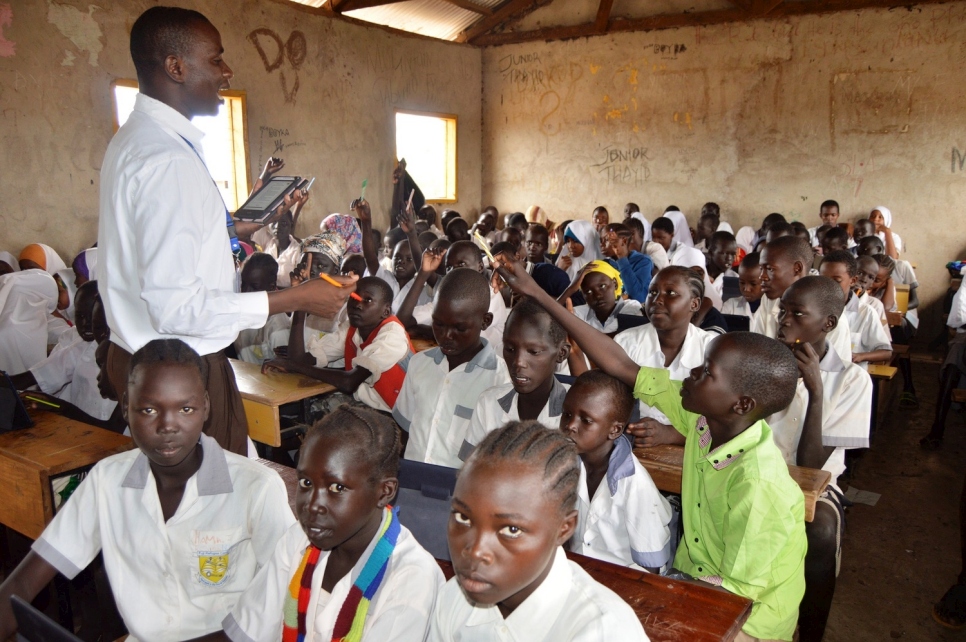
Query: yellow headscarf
[607,269]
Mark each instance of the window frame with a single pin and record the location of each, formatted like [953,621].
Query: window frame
[452,135]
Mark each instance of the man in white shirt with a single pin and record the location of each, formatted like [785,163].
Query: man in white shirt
[165,236]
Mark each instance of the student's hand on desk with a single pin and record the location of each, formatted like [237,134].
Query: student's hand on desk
[808,366]
[651,432]
[432,259]
[361,207]
[280,364]
[515,274]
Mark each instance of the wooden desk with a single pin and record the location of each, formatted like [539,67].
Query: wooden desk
[877,371]
[670,610]
[664,464]
[54,446]
[262,395]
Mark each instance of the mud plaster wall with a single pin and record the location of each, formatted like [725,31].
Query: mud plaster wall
[865,108]
[326,108]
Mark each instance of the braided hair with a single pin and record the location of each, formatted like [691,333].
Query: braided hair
[531,443]
[376,436]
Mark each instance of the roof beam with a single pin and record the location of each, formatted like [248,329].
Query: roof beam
[507,11]
[471,6]
[603,15]
[341,6]
[767,10]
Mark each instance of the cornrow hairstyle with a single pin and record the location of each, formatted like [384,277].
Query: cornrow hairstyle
[160,32]
[663,224]
[711,209]
[884,260]
[845,258]
[751,260]
[173,351]
[721,237]
[530,311]
[828,203]
[836,234]
[376,436]
[767,370]
[792,248]
[621,396]
[374,282]
[464,284]
[821,292]
[693,278]
[620,229]
[531,443]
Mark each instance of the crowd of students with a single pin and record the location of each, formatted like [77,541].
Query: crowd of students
[560,347]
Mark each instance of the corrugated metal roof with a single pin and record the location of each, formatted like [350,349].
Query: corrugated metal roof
[433,18]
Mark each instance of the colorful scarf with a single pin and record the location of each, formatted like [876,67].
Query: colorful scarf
[607,269]
[347,227]
[355,608]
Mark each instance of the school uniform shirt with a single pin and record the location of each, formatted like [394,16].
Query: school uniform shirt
[957,311]
[318,327]
[498,405]
[627,520]
[867,332]
[903,274]
[846,414]
[168,271]
[876,305]
[624,306]
[71,374]
[27,299]
[765,322]
[255,346]
[685,255]
[389,347]
[288,259]
[423,314]
[398,612]
[743,514]
[568,606]
[738,306]
[178,579]
[747,238]
[436,404]
[399,293]
[657,254]
[643,346]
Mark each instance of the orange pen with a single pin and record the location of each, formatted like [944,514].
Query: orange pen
[339,285]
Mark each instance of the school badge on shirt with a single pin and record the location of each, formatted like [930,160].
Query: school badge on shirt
[213,568]
[212,549]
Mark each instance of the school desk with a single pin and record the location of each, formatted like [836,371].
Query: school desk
[670,610]
[262,395]
[664,464]
[52,447]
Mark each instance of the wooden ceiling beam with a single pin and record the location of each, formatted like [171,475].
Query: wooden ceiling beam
[341,6]
[505,12]
[471,6]
[603,15]
[702,18]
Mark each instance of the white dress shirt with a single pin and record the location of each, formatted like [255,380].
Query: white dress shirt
[398,612]
[399,293]
[168,271]
[867,332]
[627,520]
[423,314]
[178,579]
[27,298]
[255,346]
[846,413]
[957,313]
[71,374]
[765,322]
[628,307]
[568,606]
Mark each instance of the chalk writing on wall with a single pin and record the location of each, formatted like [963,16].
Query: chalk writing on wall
[273,53]
[958,160]
[275,139]
[7,48]
[624,165]
[872,102]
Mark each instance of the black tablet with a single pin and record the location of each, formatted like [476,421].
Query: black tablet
[262,203]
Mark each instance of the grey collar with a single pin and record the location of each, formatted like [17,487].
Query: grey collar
[212,478]
[555,403]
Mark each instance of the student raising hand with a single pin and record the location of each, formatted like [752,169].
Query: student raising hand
[432,259]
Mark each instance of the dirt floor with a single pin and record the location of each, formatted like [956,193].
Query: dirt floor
[901,555]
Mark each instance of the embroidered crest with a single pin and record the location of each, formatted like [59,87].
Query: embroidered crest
[213,568]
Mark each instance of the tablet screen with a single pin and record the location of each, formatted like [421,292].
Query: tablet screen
[267,195]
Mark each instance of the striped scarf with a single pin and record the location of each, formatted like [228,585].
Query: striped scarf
[355,608]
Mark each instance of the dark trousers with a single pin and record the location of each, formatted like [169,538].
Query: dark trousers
[226,420]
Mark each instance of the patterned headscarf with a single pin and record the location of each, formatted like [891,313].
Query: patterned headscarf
[607,269]
[327,244]
[345,226]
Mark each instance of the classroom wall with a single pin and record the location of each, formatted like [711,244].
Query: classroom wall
[866,108]
[325,104]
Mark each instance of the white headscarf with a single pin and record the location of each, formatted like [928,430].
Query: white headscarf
[887,220]
[52,261]
[682,234]
[67,276]
[585,233]
[645,223]
[10,260]
[27,299]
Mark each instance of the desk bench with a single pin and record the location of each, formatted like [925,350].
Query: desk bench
[664,464]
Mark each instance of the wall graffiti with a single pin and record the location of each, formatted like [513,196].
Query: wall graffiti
[295,50]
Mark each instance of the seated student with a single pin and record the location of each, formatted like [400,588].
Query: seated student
[184,526]
[640,241]
[670,341]
[348,565]
[427,214]
[602,288]
[321,254]
[462,254]
[743,514]
[551,279]
[819,236]
[778,230]
[70,373]
[831,412]
[582,247]
[784,261]
[427,238]
[517,220]
[386,246]
[27,299]
[260,274]
[38,256]
[722,250]
[828,211]
[534,345]
[861,229]
[635,268]
[868,270]
[883,288]
[870,340]
[801,231]
[61,320]
[834,240]
[760,237]
[8,263]
[600,218]
[403,255]
[749,282]
[557,241]
[442,385]
[536,241]
[371,342]
[353,264]
[890,273]
[457,230]
[278,240]
[514,507]
[881,217]
[709,223]
[625,520]
[486,224]
[678,253]
[84,266]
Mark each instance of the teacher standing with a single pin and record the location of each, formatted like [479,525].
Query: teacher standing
[165,234]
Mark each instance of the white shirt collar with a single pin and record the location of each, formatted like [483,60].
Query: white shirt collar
[169,118]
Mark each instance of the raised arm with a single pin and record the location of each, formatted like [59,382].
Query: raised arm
[431,261]
[601,349]
[364,215]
